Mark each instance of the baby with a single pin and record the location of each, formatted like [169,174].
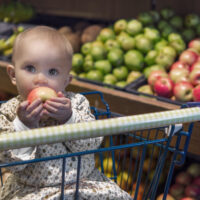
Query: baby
[42,57]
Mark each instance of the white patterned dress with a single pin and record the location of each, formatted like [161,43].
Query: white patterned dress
[41,181]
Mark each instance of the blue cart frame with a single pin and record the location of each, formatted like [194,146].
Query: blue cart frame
[129,148]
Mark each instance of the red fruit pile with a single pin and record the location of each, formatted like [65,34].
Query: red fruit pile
[183,80]
[187,184]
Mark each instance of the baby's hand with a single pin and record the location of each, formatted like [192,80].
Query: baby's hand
[58,108]
[30,114]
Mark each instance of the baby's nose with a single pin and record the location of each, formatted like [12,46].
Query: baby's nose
[40,79]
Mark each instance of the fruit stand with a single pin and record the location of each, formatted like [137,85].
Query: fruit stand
[129,68]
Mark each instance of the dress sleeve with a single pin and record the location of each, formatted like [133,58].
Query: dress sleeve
[81,113]
[7,125]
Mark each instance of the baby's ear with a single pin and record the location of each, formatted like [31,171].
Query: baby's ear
[11,73]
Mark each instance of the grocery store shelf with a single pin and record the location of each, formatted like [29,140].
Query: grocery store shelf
[119,102]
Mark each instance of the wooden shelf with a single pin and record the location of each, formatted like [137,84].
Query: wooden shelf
[119,102]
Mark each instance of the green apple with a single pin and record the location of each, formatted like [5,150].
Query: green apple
[132,76]
[174,36]
[77,62]
[103,65]
[121,36]
[167,13]
[177,22]
[145,89]
[134,27]
[198,30]
[159,45]
[162,24]
[115,56]
[188,34]
[73,73]
[178,45]
[120,73]
[144,44]
[145,18]
[166,31]
[85,48]
[134,60]
[110,44]
[192,20]
[83,75]
[106,34]
[95,75]
[168,50]
[150,57]
[127,43]
[155,16]
[88,65]
[121,84]
[109,79]
[164,60]
[98,52]
[120,25]
[151,68]
[152,34]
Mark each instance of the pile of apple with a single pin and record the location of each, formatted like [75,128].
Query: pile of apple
[187,184]
[182,82]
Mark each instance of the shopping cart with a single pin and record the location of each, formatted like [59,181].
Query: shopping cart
[139,152]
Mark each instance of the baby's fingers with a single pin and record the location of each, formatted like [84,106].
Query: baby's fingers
[35,113]
[34,105]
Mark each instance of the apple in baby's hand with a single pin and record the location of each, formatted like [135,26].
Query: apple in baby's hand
[196,93]
[164,87]
[183,91]
[44,93]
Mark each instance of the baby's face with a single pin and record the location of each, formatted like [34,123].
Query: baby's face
[40,63]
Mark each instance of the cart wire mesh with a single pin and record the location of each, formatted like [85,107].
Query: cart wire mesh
[140,159]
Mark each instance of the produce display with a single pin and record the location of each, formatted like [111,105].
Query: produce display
[15,12]
[6,42]
[181,81]
[187,184]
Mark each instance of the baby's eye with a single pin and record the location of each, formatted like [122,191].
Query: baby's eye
[53,72]
[30,68]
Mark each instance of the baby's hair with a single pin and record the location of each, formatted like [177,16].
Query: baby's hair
[43,31]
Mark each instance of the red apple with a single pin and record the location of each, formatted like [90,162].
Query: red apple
[176,190]
[154,75]
[195,44]
[192,191]
[164,87]
[180,65]
[44,93]
[196,181]
[179,74]
[183,91]
[194,77]
[169,197]
[196,93]
[188,57]
[183,178]
[196,65]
